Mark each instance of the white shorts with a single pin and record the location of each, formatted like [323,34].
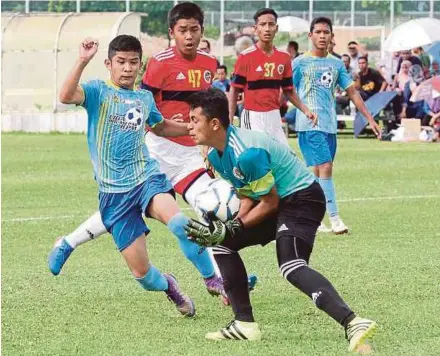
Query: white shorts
[176,161]
[268,122]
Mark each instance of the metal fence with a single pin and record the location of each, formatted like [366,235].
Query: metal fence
[38,49]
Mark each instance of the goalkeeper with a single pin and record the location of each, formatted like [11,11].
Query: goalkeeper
[283,202]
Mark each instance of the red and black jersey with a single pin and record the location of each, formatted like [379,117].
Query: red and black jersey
[172,78]
[261,76]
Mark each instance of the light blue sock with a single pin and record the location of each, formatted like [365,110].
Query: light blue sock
[199,256]
[330,196]
[153,280]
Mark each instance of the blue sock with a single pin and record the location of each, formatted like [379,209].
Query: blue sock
[153,280]
[198,255]
[330,196]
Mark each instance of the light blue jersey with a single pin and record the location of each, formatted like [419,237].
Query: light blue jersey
[116,123]
[254,162]
[315,79]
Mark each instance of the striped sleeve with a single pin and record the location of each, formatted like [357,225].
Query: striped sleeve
[239,78]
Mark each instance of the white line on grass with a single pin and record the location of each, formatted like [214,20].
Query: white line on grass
[396,197]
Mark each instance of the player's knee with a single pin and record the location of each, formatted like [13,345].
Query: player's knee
[177,226]
[325,169]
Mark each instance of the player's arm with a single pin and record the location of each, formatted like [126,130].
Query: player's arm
[71,92]
[293,97]
[354,96]
[153,77]
[238,83]
[232,102]
[170,128]
[267,206]
[290,91]
[246,204]
[162,127]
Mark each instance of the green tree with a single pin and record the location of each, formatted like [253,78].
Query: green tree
[61,6]
[382,7]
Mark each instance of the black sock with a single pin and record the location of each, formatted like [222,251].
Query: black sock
[323,294]
[293,256]
[235,282]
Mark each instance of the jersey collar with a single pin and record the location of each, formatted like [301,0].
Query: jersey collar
[310,54]
[110,83]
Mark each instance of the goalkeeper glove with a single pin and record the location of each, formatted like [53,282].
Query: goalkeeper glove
[214,233]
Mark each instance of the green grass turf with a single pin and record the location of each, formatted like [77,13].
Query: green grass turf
[387,269]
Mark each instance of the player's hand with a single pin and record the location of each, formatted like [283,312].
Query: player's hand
[312,116]
[88,49]
[376,128]
[206,235]
[177,118]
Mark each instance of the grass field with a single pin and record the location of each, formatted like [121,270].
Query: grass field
[387,269]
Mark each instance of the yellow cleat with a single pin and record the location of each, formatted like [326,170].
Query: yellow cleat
[359,331]
[236,330]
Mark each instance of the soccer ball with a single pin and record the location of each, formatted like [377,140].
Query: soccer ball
[219,198]
[134,116]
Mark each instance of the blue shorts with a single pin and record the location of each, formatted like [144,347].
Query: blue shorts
[122,212]
[317,147]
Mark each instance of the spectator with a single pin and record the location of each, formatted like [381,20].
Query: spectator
[407,56]
[419,109]
[205,46]
[331,47]
[243,42]
[355,53]
[292,48]
[435,70]
[402,77]
[346,59]
[222,82]
[424,58]
[388,66]
[370,80]
[342,100]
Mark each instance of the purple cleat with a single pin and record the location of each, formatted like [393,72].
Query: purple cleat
[215,287]
[183,303]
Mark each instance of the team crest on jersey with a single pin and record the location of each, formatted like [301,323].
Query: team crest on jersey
[280,69]
[237,174]
[207,76]
[326,79]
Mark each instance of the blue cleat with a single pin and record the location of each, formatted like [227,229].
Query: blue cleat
[252,281]
[59,255]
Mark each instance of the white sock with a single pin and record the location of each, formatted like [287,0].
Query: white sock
[190,195]
[89,230]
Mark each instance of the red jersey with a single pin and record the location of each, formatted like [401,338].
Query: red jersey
[261,76]
[172,78]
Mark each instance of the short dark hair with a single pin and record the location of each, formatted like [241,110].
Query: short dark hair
[185,10]
[321,19]
[265,11]
[364,58]
[124,43]
[293,44]
[346,55]
[352,42]
[207,42]
[214,104]
[222,66]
